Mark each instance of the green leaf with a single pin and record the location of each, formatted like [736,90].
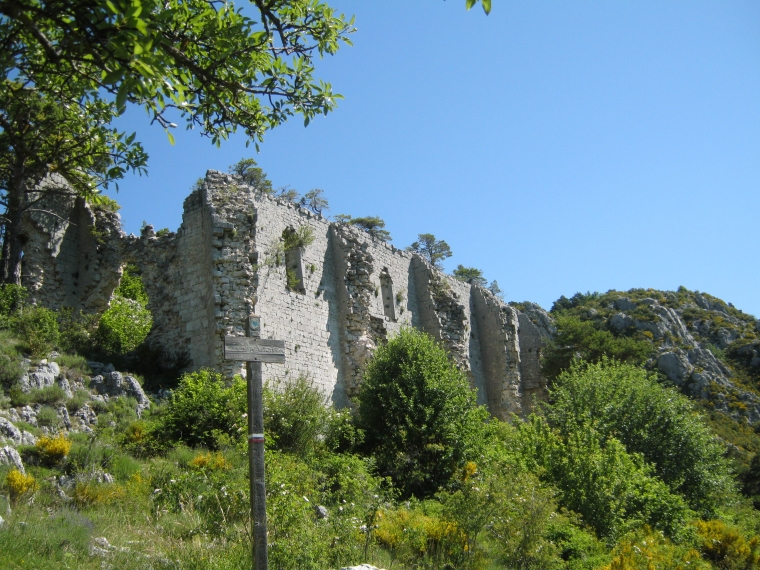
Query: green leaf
[121,96]
[486,6]
[470,3]
[171,137]
[113,76]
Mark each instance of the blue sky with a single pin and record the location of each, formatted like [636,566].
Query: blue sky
[557,146]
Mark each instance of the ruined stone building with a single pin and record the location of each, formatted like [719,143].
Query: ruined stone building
[332,301]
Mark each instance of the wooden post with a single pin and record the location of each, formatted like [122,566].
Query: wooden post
[256,455]
[254,350]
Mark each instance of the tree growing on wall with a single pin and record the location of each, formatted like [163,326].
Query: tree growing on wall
[251,174]
[315,200]
[434,250]
[470,275]
[373,225]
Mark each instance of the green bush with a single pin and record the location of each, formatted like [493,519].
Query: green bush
[296,417]
[123,327]
[11,300]
[202,404]
[131,285]
[614,491]
[418,414]
[37,327]
[621,401]
[76,331]
[581,339]
[48,395]
[47,417]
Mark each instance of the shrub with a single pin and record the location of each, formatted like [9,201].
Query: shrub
[76,332]
[10,370]
[19,484]
[210,461]
[11,299]
[296,417]
[92,493]
[47,417]
[418,414]
[202,404]
[48,395]
[53,449]
[613,490]
[621,401]
[80,398]
[37,328]
[581,339]
[18,397]
[726,547]
[123,327]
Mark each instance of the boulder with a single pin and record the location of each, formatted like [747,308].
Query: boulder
[86,415]
[675,366]
[42,376]
[9,456]
[620,322]
[624,304]
[114,384]
[9,431]
[28,415]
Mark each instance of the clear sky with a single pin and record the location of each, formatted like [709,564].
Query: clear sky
[557,146]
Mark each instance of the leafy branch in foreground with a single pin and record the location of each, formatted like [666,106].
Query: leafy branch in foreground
[207,61]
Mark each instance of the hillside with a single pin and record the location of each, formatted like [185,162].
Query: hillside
[98,470]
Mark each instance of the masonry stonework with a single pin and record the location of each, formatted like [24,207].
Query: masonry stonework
[347,292]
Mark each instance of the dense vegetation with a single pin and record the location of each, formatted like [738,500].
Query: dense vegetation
[615,471]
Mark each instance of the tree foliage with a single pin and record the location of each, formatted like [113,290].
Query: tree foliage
[620,401]
[252,175]
[434,250]
[202,406]
[315,200]
[418,413]
[373,225]
[579,339]
[470,275]
[40,136]
[207,61]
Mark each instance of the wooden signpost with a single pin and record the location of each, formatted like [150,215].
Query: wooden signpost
[254,350]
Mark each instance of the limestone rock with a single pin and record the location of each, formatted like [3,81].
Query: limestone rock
[321,512]
[620,322]
[114,384]
[28,438]
[675,366]
[9,456]
[86,415]
[42,376]
[29,415]
[9,431]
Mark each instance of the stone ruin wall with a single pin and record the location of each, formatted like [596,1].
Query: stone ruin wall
[354,291]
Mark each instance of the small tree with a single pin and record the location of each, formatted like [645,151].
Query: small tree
[470,275]
[434,250]
[252,175]
[620,401]
[496,290]
[315,200]
[418,413]
[373,225]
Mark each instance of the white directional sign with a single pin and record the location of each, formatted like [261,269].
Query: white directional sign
[254,349]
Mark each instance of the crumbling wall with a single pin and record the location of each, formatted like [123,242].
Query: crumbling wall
[350,294]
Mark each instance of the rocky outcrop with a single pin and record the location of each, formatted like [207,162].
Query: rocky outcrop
[9,456]
[114,385]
